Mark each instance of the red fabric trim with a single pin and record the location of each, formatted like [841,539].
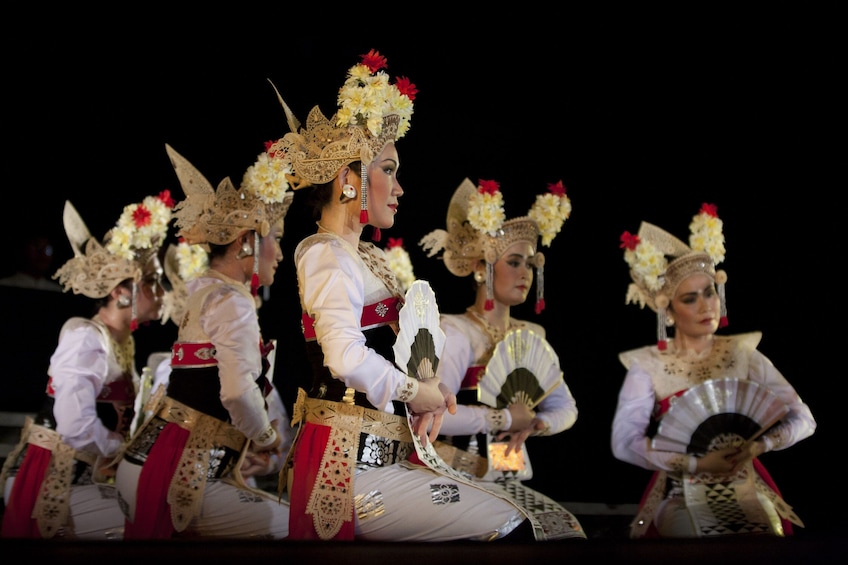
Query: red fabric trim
[152,511]
[370,316]
[472,377]
[308,452]
[120,390]
[17,521]
[185,354]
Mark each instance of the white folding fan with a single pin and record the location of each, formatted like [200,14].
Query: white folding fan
[718,413]
[420,341]
[523,368]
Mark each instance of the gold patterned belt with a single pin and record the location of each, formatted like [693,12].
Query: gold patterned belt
[352,417]
[50,440]
[224,434]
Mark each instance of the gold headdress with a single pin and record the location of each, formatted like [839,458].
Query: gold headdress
[477,229]
[655,278]
[219,216]
[183,263]
[371,113]
[96,269]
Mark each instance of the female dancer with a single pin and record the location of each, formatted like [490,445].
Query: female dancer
[55,485]
[501,255]
[358,466]
[182,472]
[724,489]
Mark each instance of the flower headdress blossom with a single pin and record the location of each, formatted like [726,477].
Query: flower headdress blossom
[400,263]
[706,235]
[550,210]
[655,278]
[184,262]
[192,260]
[486,208]
[141,226]
[367,96]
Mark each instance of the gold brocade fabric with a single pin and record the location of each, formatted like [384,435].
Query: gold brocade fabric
[672,370]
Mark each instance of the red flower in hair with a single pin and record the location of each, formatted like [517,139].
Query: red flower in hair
[165,197]
[374,61]
[709,210]
[488,186]
[557,188]
[404,86]
[141,216]
[629,241]
[395,242]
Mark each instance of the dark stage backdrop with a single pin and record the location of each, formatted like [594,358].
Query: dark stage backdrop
[644,115]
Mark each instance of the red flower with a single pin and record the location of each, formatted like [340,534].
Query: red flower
[374,61]
[709,210]
[165,197]
[141,216]
[395,242]
[406,87]
[557,188]
[488,186]
[629,241]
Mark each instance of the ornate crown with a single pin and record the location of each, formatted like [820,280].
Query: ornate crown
[659,262]
[371,113]
[217,216]
[96,268]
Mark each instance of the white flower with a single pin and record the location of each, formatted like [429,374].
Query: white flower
[141,226]
[706,235]
[366,98]
[266,179]
[401,265]
[550,211]
[193,261]
[486,212]
[648,264]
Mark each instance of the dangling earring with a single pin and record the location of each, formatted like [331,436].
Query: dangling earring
[246,250]
[348,193]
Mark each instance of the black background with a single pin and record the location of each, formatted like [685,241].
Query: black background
[643,113]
